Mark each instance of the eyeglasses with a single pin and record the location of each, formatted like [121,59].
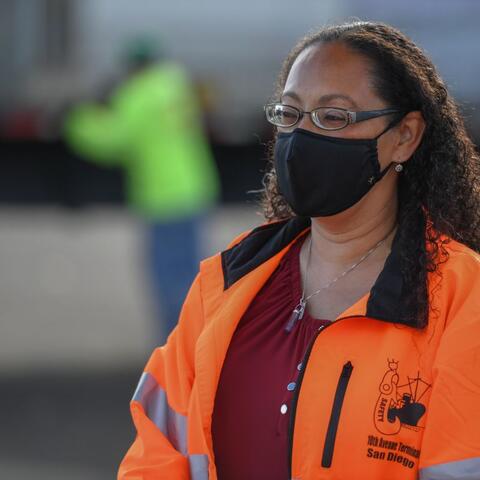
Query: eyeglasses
[326,118]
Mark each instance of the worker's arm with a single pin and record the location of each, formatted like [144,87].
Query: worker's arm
[98,133]
[160,405]
[451,440]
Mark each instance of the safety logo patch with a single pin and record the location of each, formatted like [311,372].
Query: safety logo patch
[399,405]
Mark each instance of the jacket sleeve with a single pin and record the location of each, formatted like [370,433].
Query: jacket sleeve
[160,403]
[451,441]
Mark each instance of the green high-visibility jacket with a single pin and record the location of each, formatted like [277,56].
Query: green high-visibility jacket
[151,128]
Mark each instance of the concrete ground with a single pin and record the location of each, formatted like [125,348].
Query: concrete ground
[76,329]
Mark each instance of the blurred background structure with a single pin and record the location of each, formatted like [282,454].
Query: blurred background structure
[75,317]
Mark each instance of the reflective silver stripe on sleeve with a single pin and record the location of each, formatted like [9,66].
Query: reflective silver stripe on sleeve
[461,470]
[153,399]
[198,467]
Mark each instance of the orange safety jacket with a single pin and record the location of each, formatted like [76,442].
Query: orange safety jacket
[377,398]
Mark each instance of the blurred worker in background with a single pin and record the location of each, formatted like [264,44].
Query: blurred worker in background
[151,126]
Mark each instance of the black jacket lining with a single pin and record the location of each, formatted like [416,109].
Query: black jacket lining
[258,246]
[262,243]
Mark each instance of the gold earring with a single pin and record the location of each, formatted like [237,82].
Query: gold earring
[398,167]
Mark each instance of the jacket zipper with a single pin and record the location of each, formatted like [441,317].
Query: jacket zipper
[291,426]
[335,415]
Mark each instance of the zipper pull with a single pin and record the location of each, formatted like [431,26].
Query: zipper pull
[296,315]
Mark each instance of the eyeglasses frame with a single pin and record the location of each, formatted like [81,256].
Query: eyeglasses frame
[352,117]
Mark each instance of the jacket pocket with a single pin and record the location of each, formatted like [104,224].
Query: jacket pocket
[335,415]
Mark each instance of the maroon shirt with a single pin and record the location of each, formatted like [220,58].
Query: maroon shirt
[257,383]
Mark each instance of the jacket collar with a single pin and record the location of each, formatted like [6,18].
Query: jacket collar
[262,243]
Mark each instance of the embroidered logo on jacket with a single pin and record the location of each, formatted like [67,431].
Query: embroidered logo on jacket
[399,405]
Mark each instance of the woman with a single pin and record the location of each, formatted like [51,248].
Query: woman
[340,339]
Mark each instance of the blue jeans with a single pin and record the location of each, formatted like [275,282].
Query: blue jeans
[174,252]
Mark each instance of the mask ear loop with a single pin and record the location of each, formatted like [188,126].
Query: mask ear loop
[390,125]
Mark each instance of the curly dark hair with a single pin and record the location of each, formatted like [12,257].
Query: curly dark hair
[439,195]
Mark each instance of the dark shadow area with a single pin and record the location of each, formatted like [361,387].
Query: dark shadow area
[68,420]
[38,173]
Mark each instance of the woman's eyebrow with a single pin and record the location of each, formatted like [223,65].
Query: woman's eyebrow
[324,98]
[291,94]
[337,96]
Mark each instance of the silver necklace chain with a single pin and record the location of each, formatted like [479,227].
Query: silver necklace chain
[299,310]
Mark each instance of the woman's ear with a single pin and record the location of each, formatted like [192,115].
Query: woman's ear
[409,135]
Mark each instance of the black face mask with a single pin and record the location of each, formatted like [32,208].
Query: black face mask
[320,175]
